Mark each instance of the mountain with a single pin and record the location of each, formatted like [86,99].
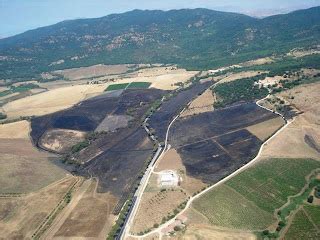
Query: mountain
[192,38]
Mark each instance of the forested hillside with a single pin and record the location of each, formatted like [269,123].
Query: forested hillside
[196,39]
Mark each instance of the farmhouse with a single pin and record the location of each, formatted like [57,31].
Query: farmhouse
[168,178]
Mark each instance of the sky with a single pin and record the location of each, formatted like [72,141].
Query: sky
[17,16]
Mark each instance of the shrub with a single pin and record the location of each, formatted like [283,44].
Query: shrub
[3,116]
[177,228]
[310,199]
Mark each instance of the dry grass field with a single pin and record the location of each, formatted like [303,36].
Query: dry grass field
[93,71]
[21,216]
[306,99]
[172,161]
[61,140]
[200,228]
[23,168]
[161,79]
[259,61]
[265,129]
[203,103]
[88,216]
[154,206]
[50,101]
[236,76]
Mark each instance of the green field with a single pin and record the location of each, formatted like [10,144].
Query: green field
[119,86]
[132,85]
[269,183]
[249,200]
[139,85]
[314,213]
[301,227]
[225,207]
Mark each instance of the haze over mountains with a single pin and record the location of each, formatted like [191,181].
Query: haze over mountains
[192,38]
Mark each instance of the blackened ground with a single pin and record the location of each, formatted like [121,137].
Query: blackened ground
[116,158]
[87,115]
[215,123]
[212,145]
[161,119]
[119,166]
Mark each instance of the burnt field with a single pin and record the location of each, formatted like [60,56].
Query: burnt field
[116,158]
[214,144]
[161,119]
[87,115]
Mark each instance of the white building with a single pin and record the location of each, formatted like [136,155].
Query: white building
[168,178]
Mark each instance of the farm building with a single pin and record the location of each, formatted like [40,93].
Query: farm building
[168,178]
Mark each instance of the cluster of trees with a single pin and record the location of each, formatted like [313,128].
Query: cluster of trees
[241,90]
[2,116]
[116,229]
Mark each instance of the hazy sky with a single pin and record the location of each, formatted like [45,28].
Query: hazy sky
[17,16]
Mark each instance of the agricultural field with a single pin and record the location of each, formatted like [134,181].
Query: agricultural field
[251,198]
[203,103]
[131,85]
[138,85]
[305,99]
[225,207]
[240,75]
[94,71]
[155,206]
[114,151]
[160,120]
[218,140]
[28,165]
[303,225]
[172,161]
[50,101]
[89,215]
[61,140]
[22,216]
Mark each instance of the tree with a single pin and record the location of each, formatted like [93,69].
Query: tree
[310,199]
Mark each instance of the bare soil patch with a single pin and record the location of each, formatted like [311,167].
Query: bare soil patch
[203,103]
[23,167]
[235,76]
[15,130]
[61,140]
[271,80]
[90,216]
[172,161]
[21,216]
[50,101]
[260,61]
[298,53]
[291,142]
[92,71]
[165,81]
[202,231]
[265,129]
[154,206]
[113,122]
